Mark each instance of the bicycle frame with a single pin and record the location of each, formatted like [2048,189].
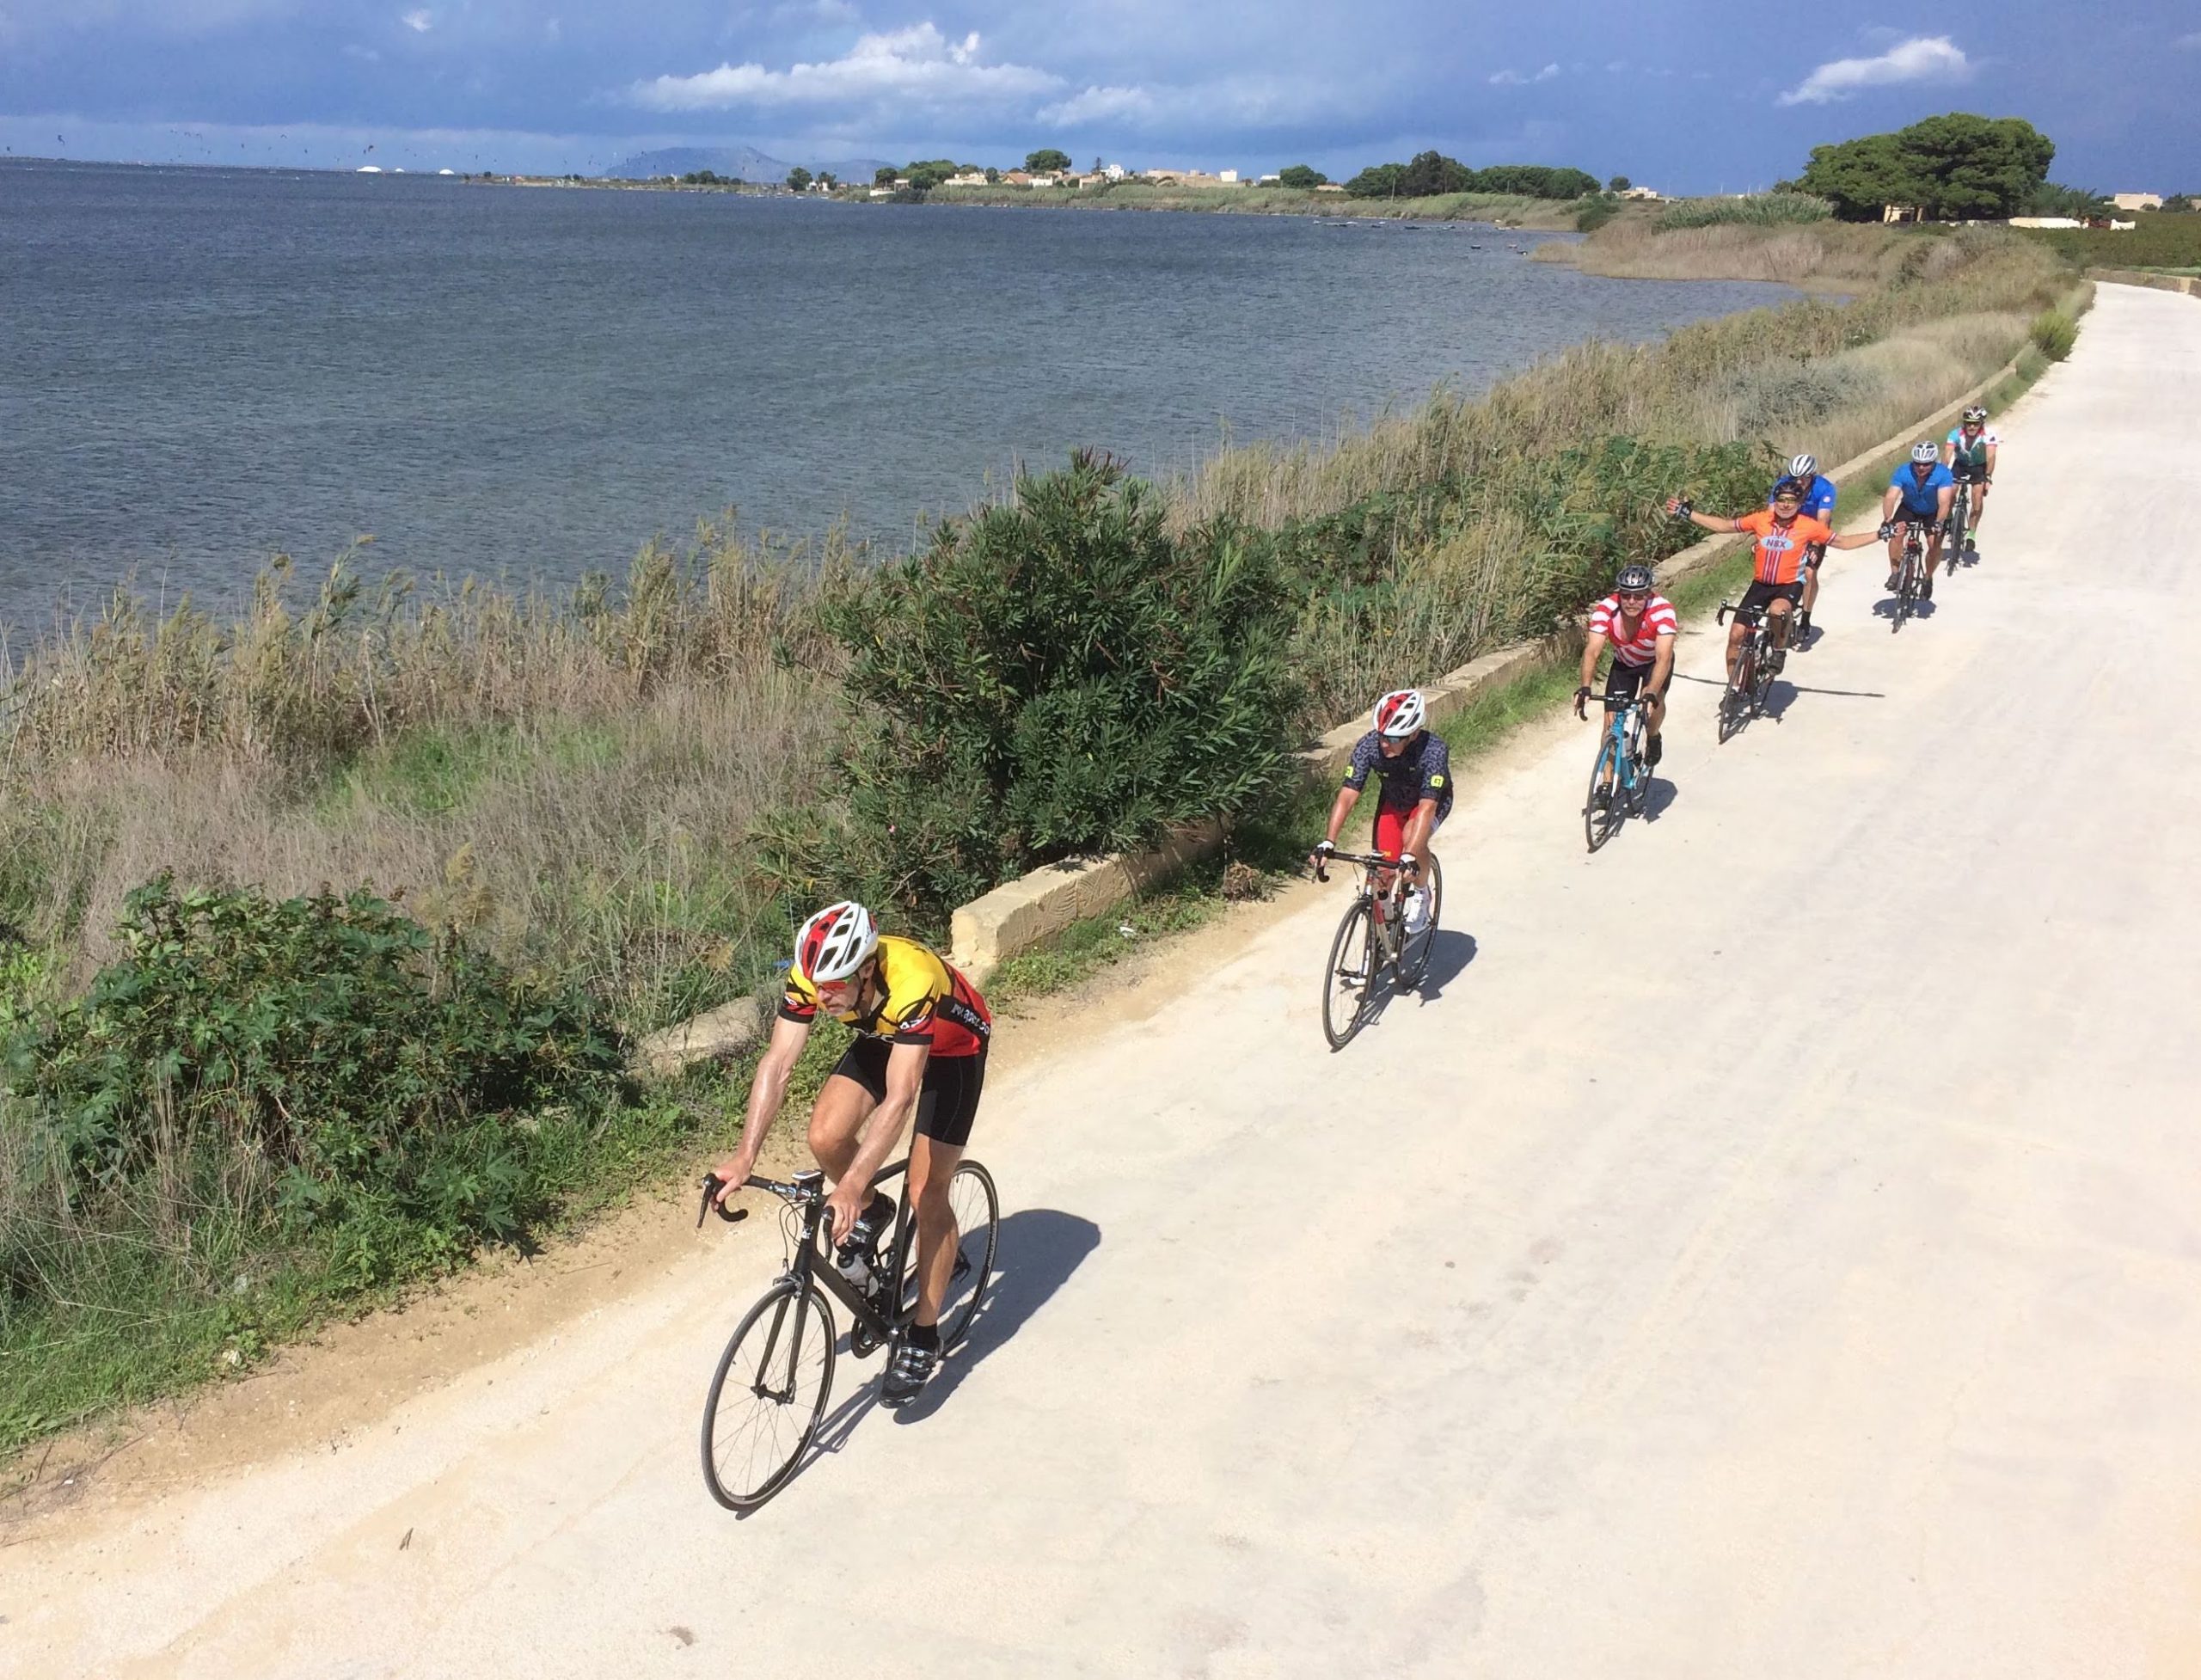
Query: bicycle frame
[1372,864]
[805,1194]
[1621,719]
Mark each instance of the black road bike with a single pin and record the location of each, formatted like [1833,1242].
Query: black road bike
[1750,684]
[1959,523]
[1911,577]
[775,1378]
[1372,954]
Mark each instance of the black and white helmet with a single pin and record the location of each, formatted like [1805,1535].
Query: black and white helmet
[1805,467]
[1924,453]
[1399,714]
[1633,578]
[834,943]
[1975,415]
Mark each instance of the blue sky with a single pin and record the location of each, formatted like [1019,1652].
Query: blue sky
[1687,97]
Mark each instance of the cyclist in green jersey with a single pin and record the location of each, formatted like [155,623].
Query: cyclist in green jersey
[1969,453]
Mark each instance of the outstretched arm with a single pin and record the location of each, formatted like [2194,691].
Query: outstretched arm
[1713,522]
[767,1092]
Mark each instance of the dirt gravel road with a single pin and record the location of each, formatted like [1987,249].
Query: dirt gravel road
[1773,1249]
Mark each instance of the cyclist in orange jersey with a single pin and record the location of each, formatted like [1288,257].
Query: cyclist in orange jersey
[1779,559]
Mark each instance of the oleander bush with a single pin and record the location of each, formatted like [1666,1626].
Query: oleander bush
[1058,675]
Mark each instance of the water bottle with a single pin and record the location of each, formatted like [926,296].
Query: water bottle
[854,1263]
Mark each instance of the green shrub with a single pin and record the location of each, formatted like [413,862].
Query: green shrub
[1595,214]
[1060,676]
[2053,334]
[313,1061]
[1758,210]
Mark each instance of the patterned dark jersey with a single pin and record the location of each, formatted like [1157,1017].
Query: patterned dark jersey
[1423,771]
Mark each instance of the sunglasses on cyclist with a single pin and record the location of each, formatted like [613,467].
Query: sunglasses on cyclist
[1635,594]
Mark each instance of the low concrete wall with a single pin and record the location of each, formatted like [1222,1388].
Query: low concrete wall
[2184,283]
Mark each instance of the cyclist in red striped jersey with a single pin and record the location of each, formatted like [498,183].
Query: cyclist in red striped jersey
[1640,626]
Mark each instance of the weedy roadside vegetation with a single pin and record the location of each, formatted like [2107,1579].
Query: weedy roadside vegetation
[324,927]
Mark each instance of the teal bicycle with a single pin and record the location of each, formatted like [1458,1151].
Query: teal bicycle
[1620,781]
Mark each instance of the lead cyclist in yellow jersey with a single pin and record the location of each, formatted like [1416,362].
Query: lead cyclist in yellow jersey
[922,1031]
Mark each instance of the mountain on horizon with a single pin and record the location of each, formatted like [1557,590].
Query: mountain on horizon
[734,164]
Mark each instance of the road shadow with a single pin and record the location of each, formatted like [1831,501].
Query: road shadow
[1884,609]
[1450,951]
[1040,1246]
[1658,797]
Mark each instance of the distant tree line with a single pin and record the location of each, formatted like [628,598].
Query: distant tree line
[1430,173]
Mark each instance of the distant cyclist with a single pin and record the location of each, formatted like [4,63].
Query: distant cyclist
[1920,494]
[1416,770]
[920,1052]
[1777,562]
[1969,453]
[1640,626]
[1819,496]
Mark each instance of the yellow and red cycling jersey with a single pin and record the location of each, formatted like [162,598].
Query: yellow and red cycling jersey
[919,1000]
[1779,555]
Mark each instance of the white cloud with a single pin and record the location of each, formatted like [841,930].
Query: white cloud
[1927,58]
[918,64]
[1099,105]
[2189,43]
[420,22]
[365,55]
[1514,79]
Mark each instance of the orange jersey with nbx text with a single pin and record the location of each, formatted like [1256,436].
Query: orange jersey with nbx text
[1779,556]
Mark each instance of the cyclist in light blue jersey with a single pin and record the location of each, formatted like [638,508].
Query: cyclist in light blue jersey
[1818,504]
[1919,495]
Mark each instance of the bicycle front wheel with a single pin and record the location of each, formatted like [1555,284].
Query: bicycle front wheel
[1349,980]
[1413,955]
[769,1391]
[976,1207]
[1601,818]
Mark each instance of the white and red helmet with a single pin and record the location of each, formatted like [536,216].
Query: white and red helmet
[1399,714]
[834,943]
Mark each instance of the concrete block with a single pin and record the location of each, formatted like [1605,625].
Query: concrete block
[716,1035]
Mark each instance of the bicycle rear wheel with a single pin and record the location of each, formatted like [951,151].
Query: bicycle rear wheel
[1762,662]
[976,1207]
[1907,591]
[1600,822]
[1413,954]
[1960,516]
[1349,980]
[768,1394]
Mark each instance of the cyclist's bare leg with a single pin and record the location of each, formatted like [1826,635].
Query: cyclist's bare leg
[1654,714]
[1737,632]
[932,1166]
[1895,555]
[836,1122]
[1779,613]
[1979,487]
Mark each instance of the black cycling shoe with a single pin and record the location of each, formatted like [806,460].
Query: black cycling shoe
[1926,588]
[1651,749]
[907,1372]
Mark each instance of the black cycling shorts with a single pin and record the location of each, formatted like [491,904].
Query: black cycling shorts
[948,1101]
[1763,595]
[1625,682]
[1971,475]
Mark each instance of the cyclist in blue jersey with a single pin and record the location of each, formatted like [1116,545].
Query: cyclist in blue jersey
[1919,495]
[1818,504]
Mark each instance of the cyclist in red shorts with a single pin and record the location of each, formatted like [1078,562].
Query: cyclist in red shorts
[1780,560]
[1640,626]
[920,1052]
[1415,767]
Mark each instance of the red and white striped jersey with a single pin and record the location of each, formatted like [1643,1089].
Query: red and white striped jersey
[1658,620]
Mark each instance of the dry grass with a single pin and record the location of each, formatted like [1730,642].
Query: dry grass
[1821,255]
[571,781]
[1501,209]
